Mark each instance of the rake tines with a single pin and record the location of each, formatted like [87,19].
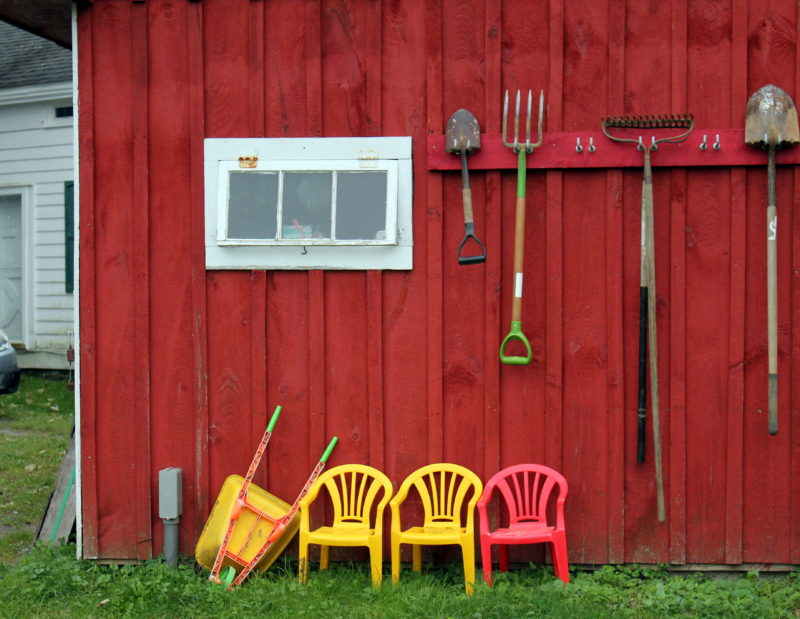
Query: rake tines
[645,121]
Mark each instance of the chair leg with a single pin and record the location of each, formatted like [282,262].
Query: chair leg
[468,553]
[302,570]
[376,561]
[503,552]
[558,549]
[416,556]
[324,557]
[486,561]
[395,561]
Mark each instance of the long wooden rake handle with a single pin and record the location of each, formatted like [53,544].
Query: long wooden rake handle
[647,200]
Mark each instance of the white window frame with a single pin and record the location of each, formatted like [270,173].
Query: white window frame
[392,154]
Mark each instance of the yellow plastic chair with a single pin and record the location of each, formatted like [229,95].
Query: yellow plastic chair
[448,493]
[357,518]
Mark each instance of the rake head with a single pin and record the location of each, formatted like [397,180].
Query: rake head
[659,121]
[679,121]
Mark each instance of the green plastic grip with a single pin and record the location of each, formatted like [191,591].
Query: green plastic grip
[516,334]
[274,419]
[326,454]
[522,168]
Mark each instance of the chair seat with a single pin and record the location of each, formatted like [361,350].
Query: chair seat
[433,535]
[522,533]
[337,536]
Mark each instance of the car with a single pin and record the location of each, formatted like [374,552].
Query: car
[9,370]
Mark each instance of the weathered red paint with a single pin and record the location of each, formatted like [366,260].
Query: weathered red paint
[181,367]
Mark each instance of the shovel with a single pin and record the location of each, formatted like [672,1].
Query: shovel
[771,122]
[463,137]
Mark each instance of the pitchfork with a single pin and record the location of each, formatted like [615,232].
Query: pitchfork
[522,149]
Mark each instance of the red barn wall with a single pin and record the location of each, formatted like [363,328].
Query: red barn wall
[182,367]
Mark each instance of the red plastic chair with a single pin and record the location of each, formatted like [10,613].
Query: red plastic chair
[526,490]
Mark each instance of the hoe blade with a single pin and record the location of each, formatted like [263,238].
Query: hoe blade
[771,118]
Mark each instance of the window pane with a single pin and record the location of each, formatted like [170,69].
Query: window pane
[253,205]
[361,205]
[307,205]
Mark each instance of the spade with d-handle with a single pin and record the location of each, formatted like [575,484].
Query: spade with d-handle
[771,122]
[463,137]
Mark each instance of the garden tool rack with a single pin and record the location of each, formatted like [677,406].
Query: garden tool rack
[591,149]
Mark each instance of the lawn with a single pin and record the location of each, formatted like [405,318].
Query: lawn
[46,581]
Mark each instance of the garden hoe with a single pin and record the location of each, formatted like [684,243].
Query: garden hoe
[771,122]
[463,136]
[647,272]
[522,149]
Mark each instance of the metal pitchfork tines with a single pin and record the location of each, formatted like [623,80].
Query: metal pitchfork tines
[647,290]
[522,149]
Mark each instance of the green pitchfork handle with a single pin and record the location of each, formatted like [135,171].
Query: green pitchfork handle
[515,332]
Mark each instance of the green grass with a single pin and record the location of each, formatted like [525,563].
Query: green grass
[35,425]
[46,581]
[49,582]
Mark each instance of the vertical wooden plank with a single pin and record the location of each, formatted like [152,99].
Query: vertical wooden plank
[259,409]
[555,243]
[405,301]
[199,322]
[226,50]
[492,239]
[374,326]
[617,413]
[736,340]
[288,308]
[646,91]
[316,279]
[673,417]
[170,258]
[87,272]
[433,71]
[463,369]
[767,459]
[794,350]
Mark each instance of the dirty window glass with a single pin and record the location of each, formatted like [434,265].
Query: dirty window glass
[304,206]
[253,205]
[359,200]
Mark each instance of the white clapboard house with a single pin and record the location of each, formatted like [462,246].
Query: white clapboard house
[36,197]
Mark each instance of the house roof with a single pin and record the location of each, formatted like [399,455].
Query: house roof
[29,60]
[47,18]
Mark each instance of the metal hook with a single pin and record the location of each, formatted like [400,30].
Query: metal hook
[717,145]
[578,147]
[654,145]
[704,143]
[640,145]
[592,147]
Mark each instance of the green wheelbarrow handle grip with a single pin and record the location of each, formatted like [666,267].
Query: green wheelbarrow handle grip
[274,419]
[516,334]
[329,449]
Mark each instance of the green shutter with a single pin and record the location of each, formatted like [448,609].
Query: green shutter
[69,235]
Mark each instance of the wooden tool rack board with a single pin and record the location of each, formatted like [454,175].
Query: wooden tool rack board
[558,151]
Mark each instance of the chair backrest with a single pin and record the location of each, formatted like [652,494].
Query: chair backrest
[526,490]
[353,490]
[443,489]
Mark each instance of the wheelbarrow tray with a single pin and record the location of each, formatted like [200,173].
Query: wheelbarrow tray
[217,524]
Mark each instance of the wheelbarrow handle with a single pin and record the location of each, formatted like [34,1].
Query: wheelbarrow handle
[516,334]
[274,419]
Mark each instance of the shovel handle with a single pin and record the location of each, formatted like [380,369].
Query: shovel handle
[772,295]
[469,233]
[516,334]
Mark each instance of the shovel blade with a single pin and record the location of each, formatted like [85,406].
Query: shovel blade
[771,118]
[463,133]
